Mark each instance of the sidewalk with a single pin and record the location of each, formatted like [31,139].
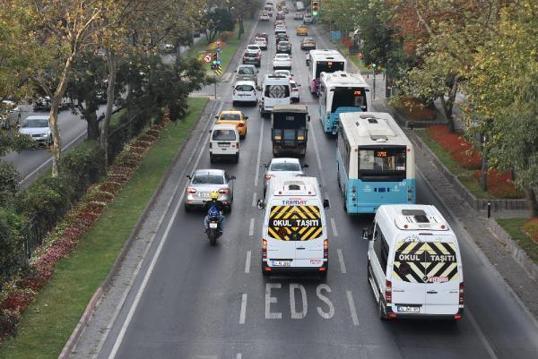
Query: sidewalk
[473,222]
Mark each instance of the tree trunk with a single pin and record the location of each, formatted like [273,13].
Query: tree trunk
[530,194]
[111,63]
[93,125]
[241,28]
[56,148]
[484,174]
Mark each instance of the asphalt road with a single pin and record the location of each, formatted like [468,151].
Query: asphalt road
[191,300]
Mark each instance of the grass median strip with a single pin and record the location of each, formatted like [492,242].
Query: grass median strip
[514,227]
[49,321]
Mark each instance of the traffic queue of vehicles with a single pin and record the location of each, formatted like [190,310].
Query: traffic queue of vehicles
[414,262]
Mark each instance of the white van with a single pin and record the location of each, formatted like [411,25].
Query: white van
[275,91]
[294,236]
[224,143]
[414,263]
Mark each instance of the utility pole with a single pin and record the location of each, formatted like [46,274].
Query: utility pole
[373,95]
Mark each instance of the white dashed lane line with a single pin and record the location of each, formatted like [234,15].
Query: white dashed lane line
[247,262]
[341,260]
[352,308]
[243,313]
[333,225]
[251,228]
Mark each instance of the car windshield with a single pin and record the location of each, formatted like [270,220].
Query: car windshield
[254,48]
[230,117]
[224,135]
[208,179]
[246,71]
[33,123]
[285,166]
[283,43]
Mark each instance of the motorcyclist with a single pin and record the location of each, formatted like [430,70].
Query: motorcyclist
[214,212]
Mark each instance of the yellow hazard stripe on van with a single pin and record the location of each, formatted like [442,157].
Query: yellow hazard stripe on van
[425,262]
[295,223]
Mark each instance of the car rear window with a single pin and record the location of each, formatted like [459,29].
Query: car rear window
[230,117]
[246,88]
[246,71]
[425,262]
[34,123]
[285,166]
[208,179]
[224,135]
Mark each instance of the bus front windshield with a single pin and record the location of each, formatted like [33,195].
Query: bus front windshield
[349,97]
[328,66]
[382,163]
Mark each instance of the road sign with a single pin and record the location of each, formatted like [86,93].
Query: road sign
[207,58]
[218,70]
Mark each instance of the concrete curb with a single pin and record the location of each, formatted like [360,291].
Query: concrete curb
[519,255]
[96,298]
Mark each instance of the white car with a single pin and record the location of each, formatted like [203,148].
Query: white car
[282,167]
[254,49]
[244,91]
[224,143]
[261,42]
[264,16]
[294,91]
[38,128]
[286,73]
[280,28]
[282,61]
[307,19]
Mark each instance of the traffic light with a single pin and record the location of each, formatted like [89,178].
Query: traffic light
[315,8]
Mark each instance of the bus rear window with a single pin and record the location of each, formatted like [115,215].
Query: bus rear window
[328,66]
[289,120]
[349,97]
[382,163]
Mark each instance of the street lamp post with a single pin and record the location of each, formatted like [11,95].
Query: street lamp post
[373,95]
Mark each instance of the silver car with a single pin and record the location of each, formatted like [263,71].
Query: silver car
[282,167]
[205,181]
[247,73]
[38,128]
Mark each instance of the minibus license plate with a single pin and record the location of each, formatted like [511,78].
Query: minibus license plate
[281,263]
[408,309]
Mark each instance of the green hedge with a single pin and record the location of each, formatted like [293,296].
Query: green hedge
[47,200]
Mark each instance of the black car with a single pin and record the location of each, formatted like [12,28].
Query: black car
[281,37]
[283,47]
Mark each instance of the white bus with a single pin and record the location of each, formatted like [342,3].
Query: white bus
[340,92]
[375,162]
[323,60]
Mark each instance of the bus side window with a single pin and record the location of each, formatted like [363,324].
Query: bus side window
[381,248]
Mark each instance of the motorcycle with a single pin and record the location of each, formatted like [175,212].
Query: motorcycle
[213,231]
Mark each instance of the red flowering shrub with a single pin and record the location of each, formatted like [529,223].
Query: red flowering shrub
[8,322]
[347,42]
[531,228]
[500,184]
[110,187]
[461,150]
[17,300]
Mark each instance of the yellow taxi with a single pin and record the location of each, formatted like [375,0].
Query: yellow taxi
[233,117]
[302,30]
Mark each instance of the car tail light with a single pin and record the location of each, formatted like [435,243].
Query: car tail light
[224,190]
[241,125]
[234,92]
[233,145]
[268,177]
[461,294]
[191,190]
[388,292]
[325,249]
[264,249]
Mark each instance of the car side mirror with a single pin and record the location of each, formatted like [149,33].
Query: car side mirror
[218,116]
[188,176]
[305,165]
[326,203]
[232,178]
[366,235]
[246,117]
[260,204]
[308,118]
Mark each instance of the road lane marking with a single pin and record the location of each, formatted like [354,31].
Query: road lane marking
[333,225]
[156,255]
[316,150]
[258,159]
[254,198]
[251,228]
[247,262]
[352,309]
[326,300]
[293,309]
[341,260]
[243,314]
[270,300]
[238,356]
[481,335]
